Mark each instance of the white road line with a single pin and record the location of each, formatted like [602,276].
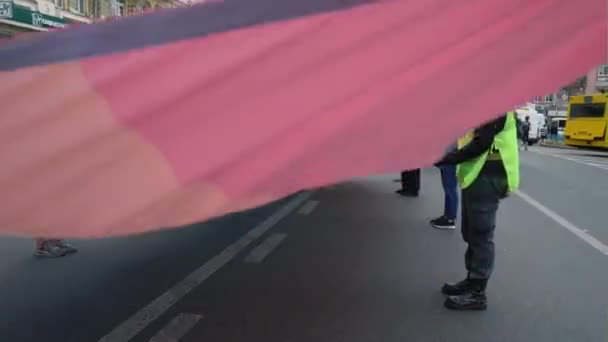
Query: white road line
[146,315]
[308,207]
[583,235]
[601,167]
[589,161]
[259,253]
[177,328]
[595,161]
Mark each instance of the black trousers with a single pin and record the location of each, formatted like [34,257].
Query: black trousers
[410,180]
[479,206]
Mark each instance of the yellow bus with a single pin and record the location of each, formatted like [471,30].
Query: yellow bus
[587,121]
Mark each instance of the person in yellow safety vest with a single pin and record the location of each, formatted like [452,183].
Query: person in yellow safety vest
[487,171]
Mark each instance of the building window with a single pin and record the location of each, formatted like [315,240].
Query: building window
[603,70]
[117,8]
[78,6]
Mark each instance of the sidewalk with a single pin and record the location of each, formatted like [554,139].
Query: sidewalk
[555,144]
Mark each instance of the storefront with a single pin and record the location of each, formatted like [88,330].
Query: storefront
[15,19]
[5,33]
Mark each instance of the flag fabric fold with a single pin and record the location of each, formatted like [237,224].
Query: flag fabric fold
[179,116]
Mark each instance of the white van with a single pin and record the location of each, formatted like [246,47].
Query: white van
[537,122]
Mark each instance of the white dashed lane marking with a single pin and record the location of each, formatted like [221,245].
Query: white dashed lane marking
[128,329]
[599,162]
[260,253]
[308,207]
[177,328]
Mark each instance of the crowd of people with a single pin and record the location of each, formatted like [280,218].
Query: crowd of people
[485,165]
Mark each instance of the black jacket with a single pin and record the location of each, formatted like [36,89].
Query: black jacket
[483,138]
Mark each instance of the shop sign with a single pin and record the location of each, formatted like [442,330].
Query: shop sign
[8,10]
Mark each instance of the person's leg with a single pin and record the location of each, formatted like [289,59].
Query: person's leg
[450,189]
[483,199]
[455,289]
[444,185]
[403,183]
[410,183]
[446,189]
[480,204]
[416,181]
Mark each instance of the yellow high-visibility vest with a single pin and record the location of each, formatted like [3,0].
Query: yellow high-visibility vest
[465,139]
[505,142]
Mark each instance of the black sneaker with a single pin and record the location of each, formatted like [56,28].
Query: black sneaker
[54,249]
[472,300]
[443,223]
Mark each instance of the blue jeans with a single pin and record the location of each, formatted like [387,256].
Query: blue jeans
[450,188]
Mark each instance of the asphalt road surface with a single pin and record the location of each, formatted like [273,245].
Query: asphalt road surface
[353,262]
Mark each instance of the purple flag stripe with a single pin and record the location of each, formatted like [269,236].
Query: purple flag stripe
[159,28]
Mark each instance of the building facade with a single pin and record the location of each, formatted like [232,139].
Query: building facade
[597,80]
[22,16]
[119,8]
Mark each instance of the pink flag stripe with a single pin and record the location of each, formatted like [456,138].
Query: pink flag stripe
[172,134]
[297,74]
[80,150]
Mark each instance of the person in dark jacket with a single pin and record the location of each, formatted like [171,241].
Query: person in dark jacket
[525,133]
[553,131]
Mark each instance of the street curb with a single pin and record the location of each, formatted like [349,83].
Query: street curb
[563,147]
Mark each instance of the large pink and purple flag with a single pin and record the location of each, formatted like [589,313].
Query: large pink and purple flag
[179,116]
